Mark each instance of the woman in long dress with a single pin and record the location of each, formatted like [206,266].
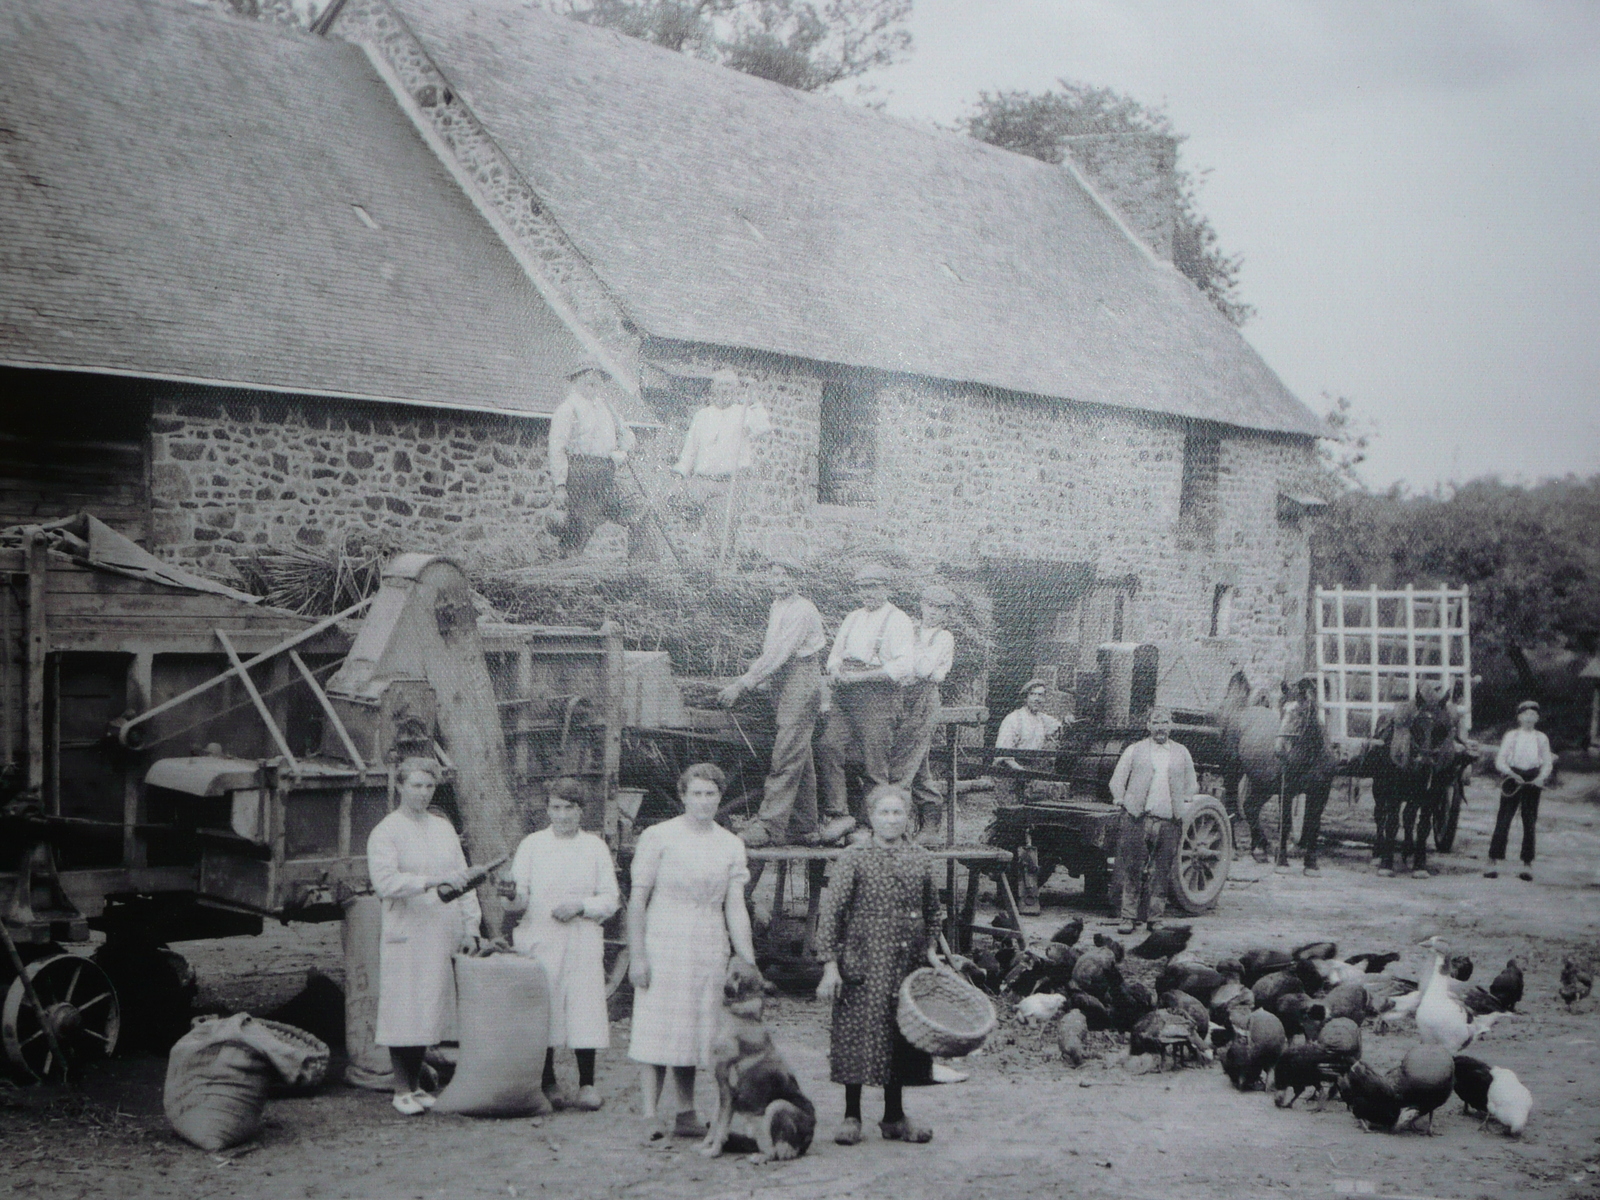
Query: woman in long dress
[879,922]
[687,906]
[410,854]
[563,881]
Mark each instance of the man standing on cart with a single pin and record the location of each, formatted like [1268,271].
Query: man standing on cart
[788,666]
[932,657]
[872,658]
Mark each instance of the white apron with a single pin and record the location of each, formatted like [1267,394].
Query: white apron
[416,983]
[550,870]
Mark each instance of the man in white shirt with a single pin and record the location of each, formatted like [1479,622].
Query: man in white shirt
[589,440]
[1153,780]
[1526,762]
[871,660]
[1029,727]
[789,668]
[720,443]
[932,655]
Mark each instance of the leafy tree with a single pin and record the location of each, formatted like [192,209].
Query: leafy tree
[1345,446]
[1036,125]
[805,44]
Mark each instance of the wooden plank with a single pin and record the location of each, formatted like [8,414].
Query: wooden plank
[37,645]
[255,698]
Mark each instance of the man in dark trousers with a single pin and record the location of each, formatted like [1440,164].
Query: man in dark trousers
[872,658]
[589,440]
[1154,779]
[789,667]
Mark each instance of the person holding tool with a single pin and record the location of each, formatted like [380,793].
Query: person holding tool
[788,667]
[1153,779]
[589,440]
[933,654]
[871,660]
[415,861]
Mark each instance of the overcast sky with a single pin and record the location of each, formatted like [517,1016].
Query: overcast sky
[1414,188]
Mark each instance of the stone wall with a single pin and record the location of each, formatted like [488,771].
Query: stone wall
[231,472]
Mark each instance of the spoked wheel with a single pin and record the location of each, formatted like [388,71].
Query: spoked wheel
[76,1001]
[1205,853]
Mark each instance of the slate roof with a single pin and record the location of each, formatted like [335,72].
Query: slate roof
[177,199]
[728,210]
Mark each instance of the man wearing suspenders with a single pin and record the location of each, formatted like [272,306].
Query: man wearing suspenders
[872,659]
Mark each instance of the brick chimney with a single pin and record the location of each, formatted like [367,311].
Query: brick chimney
[1136,174]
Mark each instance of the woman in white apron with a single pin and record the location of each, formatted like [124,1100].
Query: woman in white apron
[410,854]
[564,880]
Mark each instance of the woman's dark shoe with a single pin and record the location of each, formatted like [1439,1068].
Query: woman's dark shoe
[688,1125]
[1525,875]
[904,1130]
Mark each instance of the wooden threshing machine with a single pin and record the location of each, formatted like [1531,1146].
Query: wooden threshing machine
[182,762]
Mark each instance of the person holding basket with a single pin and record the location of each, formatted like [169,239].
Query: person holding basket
[879,922]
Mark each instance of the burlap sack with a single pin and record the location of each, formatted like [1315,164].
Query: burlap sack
[503,1006]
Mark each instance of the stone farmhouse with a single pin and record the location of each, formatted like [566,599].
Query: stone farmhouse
[272,283]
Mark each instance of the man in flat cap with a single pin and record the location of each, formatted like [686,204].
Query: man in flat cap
[589,440]
[1025,728]
[933,652]
[871,660]
[789,667]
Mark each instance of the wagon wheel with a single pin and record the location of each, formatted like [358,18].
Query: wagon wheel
[79,1005]
[1447,816]
[1205,852]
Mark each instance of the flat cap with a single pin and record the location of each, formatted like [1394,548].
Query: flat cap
[873,573]
[787,560]
[1527,704]
[938,594]
[1030,685]
[586,369]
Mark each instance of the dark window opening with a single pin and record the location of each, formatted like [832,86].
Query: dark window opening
[847,446]
[1197,499]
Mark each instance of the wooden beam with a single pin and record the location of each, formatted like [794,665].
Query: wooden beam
[328,710]
[261,705]
[37,648]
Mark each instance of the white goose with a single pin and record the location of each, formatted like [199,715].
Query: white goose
[1441,1018]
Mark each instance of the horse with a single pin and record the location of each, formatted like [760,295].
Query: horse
[1413,773]
[1275,746]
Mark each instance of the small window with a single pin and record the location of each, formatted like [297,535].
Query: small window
[1222,610]
[1197,499]
[847,445]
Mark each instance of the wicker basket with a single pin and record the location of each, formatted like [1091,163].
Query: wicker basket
[942,1013]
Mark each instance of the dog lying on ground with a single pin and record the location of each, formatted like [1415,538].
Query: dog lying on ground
[760,1106]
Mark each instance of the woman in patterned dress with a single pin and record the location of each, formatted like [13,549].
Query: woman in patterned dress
[879,922]
[686,907]
[564,884]
[410,853]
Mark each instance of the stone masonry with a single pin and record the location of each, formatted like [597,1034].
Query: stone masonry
[236,474]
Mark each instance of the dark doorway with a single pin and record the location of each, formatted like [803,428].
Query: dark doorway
[1033,604]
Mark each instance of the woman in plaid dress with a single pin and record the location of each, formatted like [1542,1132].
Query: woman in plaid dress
[879,922]
[686,907]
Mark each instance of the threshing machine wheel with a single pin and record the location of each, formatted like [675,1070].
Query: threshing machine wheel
[1205,853]
[78,1003]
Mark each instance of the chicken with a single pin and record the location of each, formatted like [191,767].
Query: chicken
[1349,1000]
[1476,1000]
[1442,1020]
[1096,973]
[1459,967]
[1164,942]
[1506,987]
[1314,950]
[1069,933]
[1131,1000]
[1577,982]
[1040,1008]
[1104,941]
[1341,1038]
[1473,1078]
[1259,962]
[1321,973]
[1301,1015]
[1094,1010]
[1254,1050]
[1373,962]
[1280,983]
[1509,1101]
[1070,1036]
[1424,1080]
[1373,1100]
[1182,1002]
[1199,980]
[1308,1066]
[1167,1031]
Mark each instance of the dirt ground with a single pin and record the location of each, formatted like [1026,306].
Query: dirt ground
[1021,1125]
